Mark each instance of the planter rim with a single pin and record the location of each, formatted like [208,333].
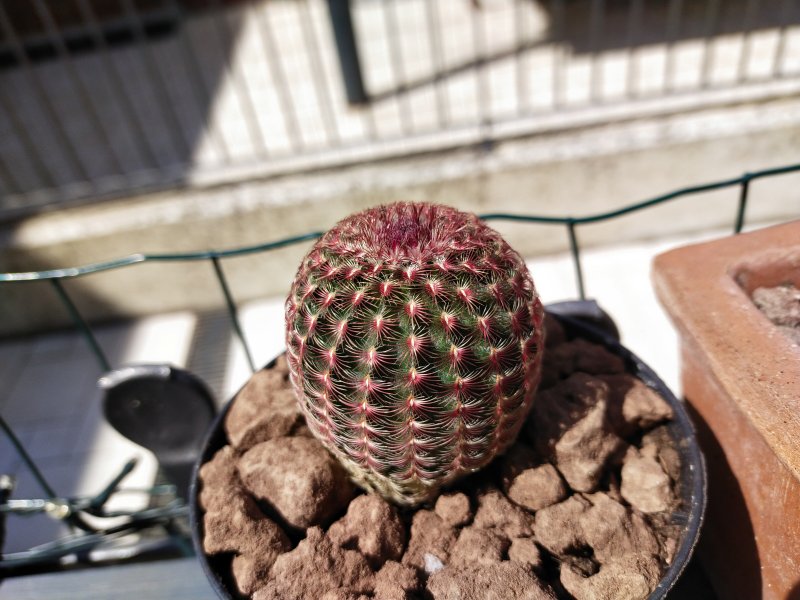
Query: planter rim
[693,484]
[705,289]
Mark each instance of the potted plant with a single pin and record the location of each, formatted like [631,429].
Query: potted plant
[741,376]
[415,345]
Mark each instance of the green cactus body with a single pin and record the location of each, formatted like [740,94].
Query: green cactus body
[414,334]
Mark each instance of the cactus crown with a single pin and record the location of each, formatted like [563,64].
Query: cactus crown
[413,334]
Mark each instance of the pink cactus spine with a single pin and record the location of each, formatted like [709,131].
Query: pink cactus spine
[413,335]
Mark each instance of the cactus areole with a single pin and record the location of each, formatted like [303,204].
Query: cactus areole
[414,336]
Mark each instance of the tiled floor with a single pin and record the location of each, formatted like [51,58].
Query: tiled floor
[50,398]
[49,393]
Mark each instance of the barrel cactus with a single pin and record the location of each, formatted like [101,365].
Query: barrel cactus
[414,336]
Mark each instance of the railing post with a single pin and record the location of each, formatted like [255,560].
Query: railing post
[744,191]
[232,312]
[26,458]
[82,325]
[576,258]
[347,51]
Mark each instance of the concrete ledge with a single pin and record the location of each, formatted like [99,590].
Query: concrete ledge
[572,171]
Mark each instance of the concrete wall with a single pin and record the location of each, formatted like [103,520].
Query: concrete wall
[564,171]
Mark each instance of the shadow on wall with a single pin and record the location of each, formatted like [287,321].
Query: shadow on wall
[585,27]
[102,95]
[660,22]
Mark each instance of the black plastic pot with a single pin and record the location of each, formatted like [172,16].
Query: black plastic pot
[692,484]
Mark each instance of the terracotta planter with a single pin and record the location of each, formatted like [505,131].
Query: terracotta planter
[741,376]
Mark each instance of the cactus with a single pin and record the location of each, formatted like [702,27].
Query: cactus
[414,337]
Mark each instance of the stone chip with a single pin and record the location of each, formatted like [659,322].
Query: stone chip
[507,580]
[299,478]
[374,527]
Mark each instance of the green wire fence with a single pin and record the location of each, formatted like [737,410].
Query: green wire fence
[215,257]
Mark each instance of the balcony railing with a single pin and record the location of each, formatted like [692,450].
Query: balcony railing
[117,98]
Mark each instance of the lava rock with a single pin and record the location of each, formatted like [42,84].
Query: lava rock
[645,485]
[397,582]
[557,409]
[430,535]
[629,577]
[632,406]
[613,530]
[374,527]
[264,409]
[251,572]
[495,511]
[220,481]
[583,450]
[558,527]
[242,527]
[530,485]
[299,478]
[483,546]
[318,566]
[525,551]
[507,580]
[454,509]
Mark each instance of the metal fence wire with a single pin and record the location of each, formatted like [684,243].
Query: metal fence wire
[216,257]
[103,98]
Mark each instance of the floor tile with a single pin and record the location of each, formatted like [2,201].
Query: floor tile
[14,354]
[47,390]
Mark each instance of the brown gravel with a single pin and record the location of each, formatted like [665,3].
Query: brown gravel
[529,485]
[557,409]
[220,481]
[613,530]
[629,577]
[632,406]
[373,526]
[563,510]
[317,565]
[495,511]
[658,442]
[507,580]
[585,449]
[454,509]
[242,527]
[298,478]
[397,582]
[481,546]
[250,572]
[557,527]
[645,485]
[525,551]
[265,409]
[429,535]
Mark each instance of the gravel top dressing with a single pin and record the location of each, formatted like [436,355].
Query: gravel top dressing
[579,507]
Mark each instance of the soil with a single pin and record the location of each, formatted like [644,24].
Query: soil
[781,305]
[578,508]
